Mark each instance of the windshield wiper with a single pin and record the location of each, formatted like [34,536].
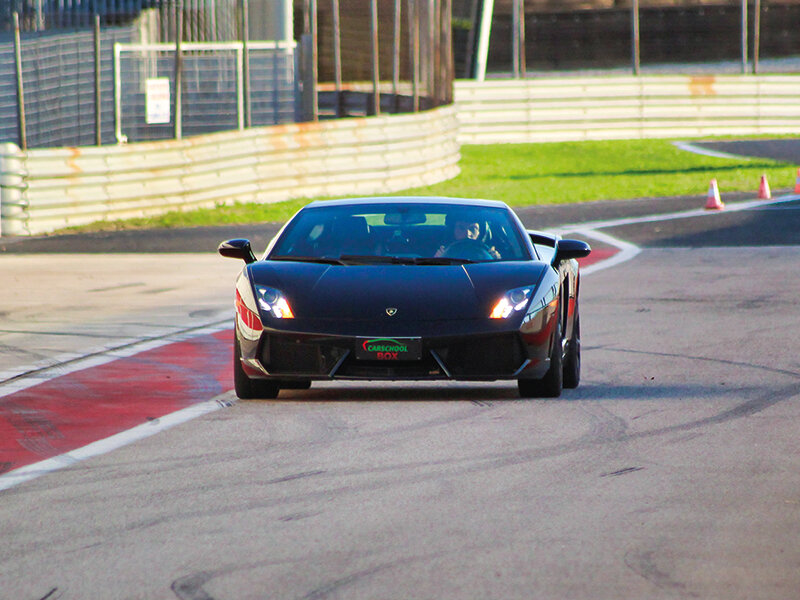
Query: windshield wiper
[441,260]
[368,259]
[365,259]
[359,259]
[311,259]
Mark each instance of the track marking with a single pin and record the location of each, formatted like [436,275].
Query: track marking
[694,149]
[65,418]
[140,432]
[68,363]
[627,251]
[697,212]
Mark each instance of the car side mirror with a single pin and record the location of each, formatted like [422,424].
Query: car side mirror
[570,249]
[238,248]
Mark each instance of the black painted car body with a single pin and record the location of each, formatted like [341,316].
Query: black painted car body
[407,289]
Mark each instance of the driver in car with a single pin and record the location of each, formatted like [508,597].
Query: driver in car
[466,230]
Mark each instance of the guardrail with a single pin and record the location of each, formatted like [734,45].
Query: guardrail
[47,189]
[602,108]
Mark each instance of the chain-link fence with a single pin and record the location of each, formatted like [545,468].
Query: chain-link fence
[405,52]
[213,86]
[58,70]
[76,94]
[398,51]
[202,20]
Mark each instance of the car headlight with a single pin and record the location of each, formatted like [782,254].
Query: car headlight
[512,301]
[274,302]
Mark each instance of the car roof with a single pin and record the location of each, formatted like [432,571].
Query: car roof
[420,200]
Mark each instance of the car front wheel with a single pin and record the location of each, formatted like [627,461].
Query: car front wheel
[551,384]
[572,362]
[247,388]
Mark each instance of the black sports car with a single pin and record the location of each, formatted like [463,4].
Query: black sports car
[407,289]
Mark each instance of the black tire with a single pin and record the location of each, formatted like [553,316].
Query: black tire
[551,384]
[247,388]
[572,362]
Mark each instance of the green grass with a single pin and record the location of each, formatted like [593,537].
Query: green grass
[525,174]
[548,173]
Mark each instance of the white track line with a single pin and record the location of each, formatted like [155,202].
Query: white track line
[627,251]
[108,444]
[70,363]
[689,147]
[685,214]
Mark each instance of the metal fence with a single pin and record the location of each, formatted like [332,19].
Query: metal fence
[59,84]
[61,88]
[368,56]
[213,84]
[534,37]
[372,56]
[202,20]
[402,47]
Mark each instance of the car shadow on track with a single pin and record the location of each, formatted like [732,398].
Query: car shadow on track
[371,393]
[501,391]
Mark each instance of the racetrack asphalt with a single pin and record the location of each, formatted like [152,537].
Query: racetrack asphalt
[785,149]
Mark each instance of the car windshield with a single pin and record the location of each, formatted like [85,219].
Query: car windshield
[395,233]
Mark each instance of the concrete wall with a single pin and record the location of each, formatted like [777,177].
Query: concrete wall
[627,107]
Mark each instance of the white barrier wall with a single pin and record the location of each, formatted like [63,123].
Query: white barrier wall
[48,189]
[603,108]
[13,205]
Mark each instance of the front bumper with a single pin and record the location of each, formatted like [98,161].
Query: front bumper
[487,355]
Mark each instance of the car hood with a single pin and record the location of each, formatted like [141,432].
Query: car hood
[416,292]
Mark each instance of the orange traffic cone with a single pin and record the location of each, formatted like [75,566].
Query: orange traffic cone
[797,183]
[763,189]
[714,202]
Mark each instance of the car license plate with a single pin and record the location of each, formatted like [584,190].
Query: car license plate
[379,348]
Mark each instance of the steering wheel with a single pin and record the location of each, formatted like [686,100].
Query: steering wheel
[468,249]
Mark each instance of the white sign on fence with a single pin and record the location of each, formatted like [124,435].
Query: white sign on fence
[158,105]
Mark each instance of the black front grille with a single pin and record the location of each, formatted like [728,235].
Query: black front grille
[477,357]
[486,356]
[427,368]
[287,354]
